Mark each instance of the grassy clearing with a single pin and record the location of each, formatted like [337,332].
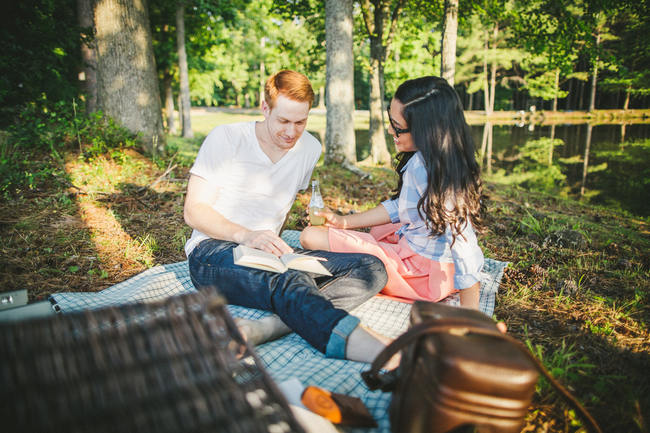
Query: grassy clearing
[576,290]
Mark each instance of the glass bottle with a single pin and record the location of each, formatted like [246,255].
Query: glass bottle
[316,203]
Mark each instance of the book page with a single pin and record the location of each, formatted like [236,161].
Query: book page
[302,262]
[254,258]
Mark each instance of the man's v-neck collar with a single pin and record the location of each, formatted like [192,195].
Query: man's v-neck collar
[263,154]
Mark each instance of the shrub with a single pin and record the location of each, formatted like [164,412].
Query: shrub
[31,149]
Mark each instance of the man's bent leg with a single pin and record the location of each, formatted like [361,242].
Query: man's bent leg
[356,277]
[293,295]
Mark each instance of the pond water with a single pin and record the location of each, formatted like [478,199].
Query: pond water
[607,164]
[600,164]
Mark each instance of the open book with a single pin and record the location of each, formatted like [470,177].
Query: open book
[254,258]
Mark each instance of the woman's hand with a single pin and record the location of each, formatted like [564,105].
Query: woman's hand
[332,219]
[372,217]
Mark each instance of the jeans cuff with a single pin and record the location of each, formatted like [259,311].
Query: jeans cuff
[339,337]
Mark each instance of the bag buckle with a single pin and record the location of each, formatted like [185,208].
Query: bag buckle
[385,382]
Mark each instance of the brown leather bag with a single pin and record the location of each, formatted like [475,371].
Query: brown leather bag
[458,370]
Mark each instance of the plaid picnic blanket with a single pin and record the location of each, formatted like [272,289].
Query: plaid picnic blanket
[288,357]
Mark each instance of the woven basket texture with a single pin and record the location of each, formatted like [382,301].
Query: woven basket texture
[173,366]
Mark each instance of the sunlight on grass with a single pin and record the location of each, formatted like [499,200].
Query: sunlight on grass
[116,249]
[205,119]
[101,175]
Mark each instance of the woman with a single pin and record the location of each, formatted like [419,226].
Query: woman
[425,234]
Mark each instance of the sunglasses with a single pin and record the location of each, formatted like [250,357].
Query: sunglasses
[397,130]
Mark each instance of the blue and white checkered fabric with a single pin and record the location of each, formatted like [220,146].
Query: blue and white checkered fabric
[291,356]
[154,284]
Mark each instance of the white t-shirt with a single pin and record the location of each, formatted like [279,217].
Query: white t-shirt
[251,190]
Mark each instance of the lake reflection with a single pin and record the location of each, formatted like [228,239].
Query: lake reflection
[601,164]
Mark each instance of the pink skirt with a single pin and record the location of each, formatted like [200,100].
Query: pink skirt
[410,276]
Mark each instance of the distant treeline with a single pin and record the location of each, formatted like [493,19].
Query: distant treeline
[509,54]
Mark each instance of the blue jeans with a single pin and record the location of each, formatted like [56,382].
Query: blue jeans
[314,306]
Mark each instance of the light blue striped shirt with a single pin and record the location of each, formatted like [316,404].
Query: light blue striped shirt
[465,254]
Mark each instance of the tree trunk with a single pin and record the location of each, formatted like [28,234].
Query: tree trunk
[376,14]
[623,125]
[486,146]
[585,165]
[340,142]
[183,73]
[448,44]
[262,70]
[486,74]
[594,79]
[321,97]
[179,104]
[378,150]
[127,83]
[88,54]
[484,142]
[626,104]
[552,145]
[489,148]
[493,78]
[169,104]
[557,88]
[592,94]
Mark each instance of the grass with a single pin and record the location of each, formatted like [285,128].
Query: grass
[204,119]
[583,310]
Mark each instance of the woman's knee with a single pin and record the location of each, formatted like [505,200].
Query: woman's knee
[315,238]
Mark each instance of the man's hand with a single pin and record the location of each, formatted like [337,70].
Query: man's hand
[265,240]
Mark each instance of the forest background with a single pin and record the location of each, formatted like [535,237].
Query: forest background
[97,132]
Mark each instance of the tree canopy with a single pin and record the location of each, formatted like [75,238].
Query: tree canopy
[540,51]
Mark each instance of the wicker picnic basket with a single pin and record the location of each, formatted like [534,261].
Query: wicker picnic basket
[173,366]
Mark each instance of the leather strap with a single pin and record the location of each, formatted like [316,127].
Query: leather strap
[462,326]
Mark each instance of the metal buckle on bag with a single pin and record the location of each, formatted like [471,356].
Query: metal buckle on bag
[371,380]
[385,382]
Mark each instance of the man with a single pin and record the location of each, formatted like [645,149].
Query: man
[242,185]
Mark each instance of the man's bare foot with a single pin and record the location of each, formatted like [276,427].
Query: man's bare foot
[260,331]
[364,344]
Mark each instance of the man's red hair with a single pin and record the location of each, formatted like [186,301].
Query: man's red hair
[290,84]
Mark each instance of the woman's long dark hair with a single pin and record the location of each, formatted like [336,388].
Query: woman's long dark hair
[434,114]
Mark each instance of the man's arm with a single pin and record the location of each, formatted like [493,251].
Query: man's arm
[200,215]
